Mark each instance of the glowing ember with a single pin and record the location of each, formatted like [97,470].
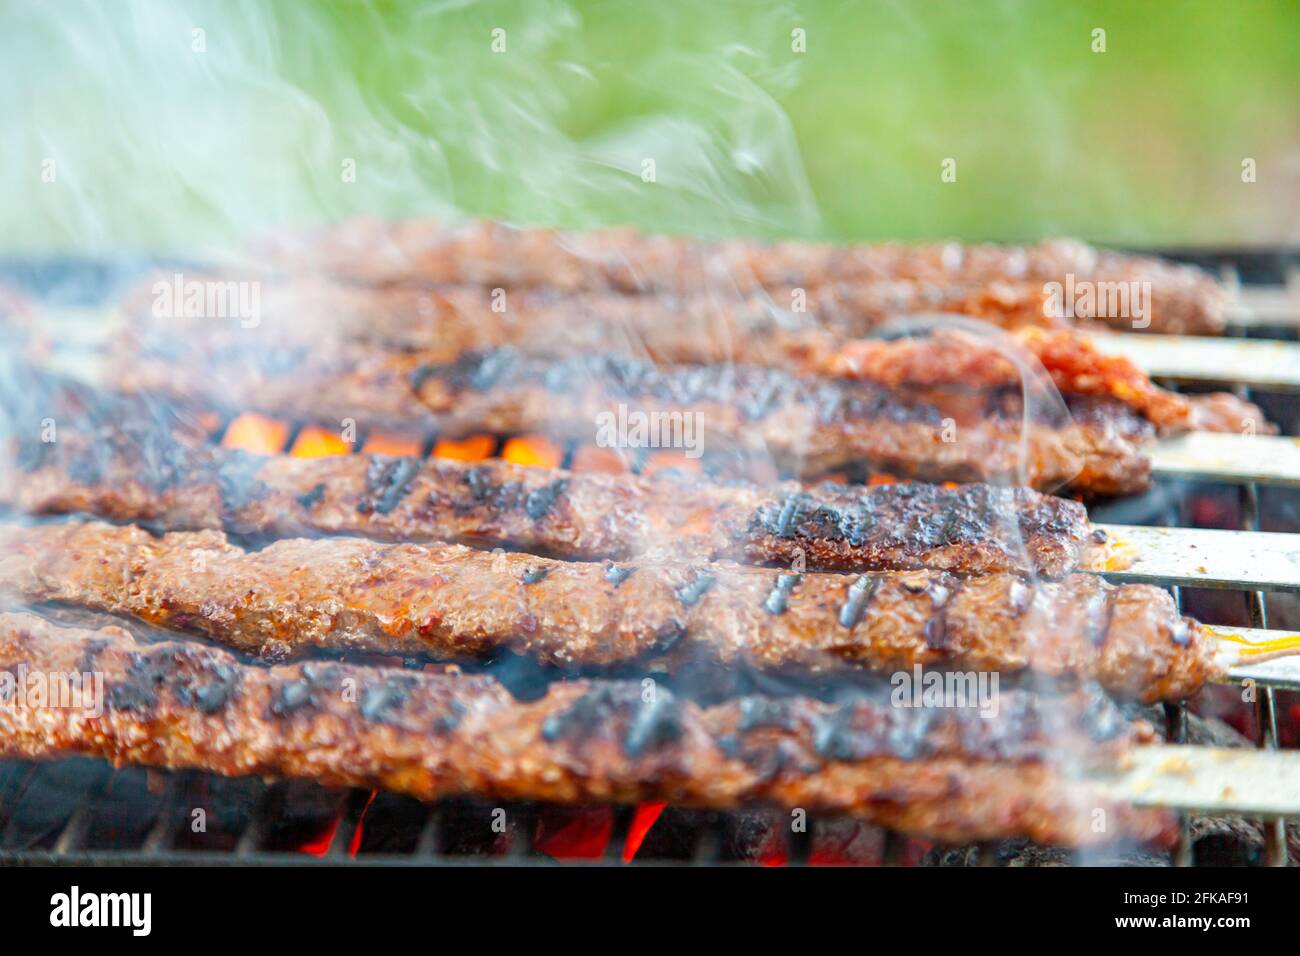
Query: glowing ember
[533,450]
[384,443]
[773,853]
[574,833]
[256,433]
[320,844]
[313,442]
[594,458]
[473,448]
[642,820]
[355,843]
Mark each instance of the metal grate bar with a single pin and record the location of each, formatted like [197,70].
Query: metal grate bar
[73,835]
[708,848]
[1263,363]
[622,818]
[799,843]
[1280,674]
[1233,459]
[1266,305]
[18,776]
[1275,850]
[521,832]
[162,834]
[895,844]
[1176,733]
[259,824]
[1192,778]
[430,841]
[351,813]
[1206,557]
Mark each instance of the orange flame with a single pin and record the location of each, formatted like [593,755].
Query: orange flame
[355,843]
[533,450]
[773,853]
[314,442]
[320,844]
[473,448]
[574,833]
[257,434]
[642,820]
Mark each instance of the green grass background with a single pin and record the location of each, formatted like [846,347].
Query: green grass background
[157,145]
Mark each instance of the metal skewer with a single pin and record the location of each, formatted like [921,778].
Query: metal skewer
[1263,363]
[1206,558]
[1214,780]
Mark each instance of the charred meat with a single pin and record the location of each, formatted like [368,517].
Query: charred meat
[809,425]
[967,529]
[951,775]
[338,594]
[308,321]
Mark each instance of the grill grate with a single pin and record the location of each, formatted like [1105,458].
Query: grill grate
[303,823]
[81,811]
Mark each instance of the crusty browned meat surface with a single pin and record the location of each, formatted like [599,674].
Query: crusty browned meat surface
[327,383]
[808,425]
[1074,364]
[968,529]
[947,774]
[318,327]
[452,601]
[1000,281]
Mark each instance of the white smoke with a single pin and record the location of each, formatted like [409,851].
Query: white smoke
[183,126]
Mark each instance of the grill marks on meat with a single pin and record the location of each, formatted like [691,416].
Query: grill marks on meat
[969,529]
[998,282]
[947,774]
[1075,365]
[452,601]
[825,338]
[809,425]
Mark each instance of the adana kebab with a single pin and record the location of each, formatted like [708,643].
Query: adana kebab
[1182,298]
[951,775]
[316,325]
[809,425]
[451,601]
[806,425]
[967,529]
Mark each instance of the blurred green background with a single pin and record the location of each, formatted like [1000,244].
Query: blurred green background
[183,125]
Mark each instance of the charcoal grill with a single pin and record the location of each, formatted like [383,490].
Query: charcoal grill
[80,811]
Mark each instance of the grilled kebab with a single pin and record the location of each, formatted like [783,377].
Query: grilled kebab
[177,486]
[337,594]
[808,425]
[951,774]
[996,280]
[315,325]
